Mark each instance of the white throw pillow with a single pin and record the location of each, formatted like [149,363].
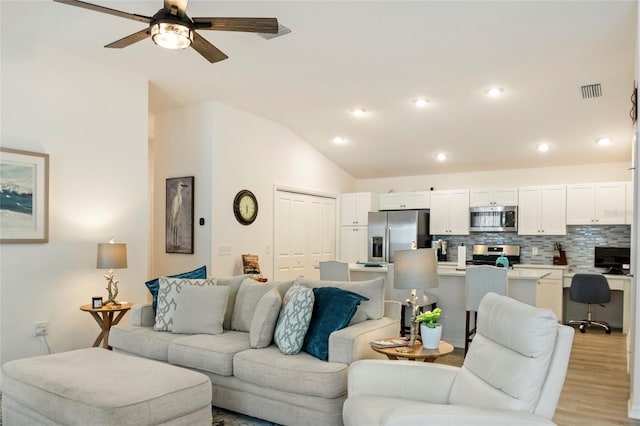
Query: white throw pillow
[264,320]
[200,310]
[293,322]
[167,292]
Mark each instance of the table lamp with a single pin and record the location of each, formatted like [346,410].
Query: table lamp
[415,270]
[112,256]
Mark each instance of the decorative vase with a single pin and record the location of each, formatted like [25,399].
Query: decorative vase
[430,336]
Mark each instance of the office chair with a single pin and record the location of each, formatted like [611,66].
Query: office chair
[334,270]
[590,288]
[479,281]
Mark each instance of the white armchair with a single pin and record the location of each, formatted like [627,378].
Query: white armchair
[512,375]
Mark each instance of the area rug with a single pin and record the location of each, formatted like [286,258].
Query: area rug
[220,418]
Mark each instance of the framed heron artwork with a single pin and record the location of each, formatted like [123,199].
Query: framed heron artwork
[24,196]
[179,215]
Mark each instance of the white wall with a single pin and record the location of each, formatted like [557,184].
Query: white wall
[91,118]
[238,151]
[182,147]
[609,172]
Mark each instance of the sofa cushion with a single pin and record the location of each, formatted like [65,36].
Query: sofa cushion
[167,295]
[154,284]
[508,361]
[234,285]
[301,374]
[200,309]
[373,290]
[264,320]
[208,352]
[333,309]
[294,318]
[141,341]
[249,295]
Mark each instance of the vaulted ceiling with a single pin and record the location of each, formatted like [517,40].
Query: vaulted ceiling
[382,56]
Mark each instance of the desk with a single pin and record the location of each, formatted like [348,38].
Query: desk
[107,320]
[417,352]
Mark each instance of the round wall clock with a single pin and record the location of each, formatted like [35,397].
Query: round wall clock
[245,207]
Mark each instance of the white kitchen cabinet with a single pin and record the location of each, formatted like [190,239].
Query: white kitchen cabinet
[493,197]
[596,203]
[404,200]
[449,212]
[548,288]
[542,210]
[355,208]
[353,243]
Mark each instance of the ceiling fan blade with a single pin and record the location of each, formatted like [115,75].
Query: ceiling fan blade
[95,7]
[130,39]
[181,5]
[206,49]
[250,25]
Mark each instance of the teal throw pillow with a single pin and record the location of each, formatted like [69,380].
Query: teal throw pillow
[332,310]
[154,284]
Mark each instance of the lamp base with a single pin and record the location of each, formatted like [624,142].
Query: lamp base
[413,331]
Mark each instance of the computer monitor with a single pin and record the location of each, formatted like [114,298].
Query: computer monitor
[617,259]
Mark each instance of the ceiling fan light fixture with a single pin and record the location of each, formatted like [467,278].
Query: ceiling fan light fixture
[171,35]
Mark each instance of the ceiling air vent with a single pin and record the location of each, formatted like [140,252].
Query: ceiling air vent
[591,91]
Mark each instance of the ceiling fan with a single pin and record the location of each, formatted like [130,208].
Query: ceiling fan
[170,27]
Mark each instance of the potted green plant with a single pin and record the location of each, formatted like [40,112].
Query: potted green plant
[430,328]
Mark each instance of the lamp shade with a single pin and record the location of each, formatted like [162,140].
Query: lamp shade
[415,269]
[112,256]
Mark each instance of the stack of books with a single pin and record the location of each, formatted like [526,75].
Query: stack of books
[391,342]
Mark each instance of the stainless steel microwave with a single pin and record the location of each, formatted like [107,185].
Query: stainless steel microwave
[493,219]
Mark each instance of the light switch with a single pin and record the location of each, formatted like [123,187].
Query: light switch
[224,250]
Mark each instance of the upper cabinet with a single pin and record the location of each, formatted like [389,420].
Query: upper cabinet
[355,208]
[493,197]
[542,210]
[404,200]
[596,203]
[449,212]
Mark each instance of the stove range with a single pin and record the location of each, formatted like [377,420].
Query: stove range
[487,254]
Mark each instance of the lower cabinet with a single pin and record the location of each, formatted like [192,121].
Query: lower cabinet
[353,244]
[549,289]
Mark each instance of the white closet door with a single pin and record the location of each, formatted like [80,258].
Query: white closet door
[304,234]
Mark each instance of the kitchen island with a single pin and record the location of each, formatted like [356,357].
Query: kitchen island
[522,285]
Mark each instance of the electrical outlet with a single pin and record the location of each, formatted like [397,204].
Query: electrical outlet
[535,251]
[41,328]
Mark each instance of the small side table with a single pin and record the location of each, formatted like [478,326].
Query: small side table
[417,352]
[107,320]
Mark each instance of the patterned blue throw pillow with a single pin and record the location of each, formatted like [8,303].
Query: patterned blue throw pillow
[293,322]
[332,310]
[154,284]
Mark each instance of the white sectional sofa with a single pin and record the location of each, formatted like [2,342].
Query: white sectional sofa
[295,389]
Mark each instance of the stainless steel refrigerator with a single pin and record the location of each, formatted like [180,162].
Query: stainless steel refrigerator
[397,230]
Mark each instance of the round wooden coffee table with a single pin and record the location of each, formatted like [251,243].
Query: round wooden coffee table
[417,352]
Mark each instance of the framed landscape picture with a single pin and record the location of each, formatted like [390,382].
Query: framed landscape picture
[24,196]
[179,215]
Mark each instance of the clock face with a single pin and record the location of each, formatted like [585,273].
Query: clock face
[245,207]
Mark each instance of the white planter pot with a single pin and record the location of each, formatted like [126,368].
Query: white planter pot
[430,336]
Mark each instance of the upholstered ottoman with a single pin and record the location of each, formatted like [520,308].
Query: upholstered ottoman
[99,387]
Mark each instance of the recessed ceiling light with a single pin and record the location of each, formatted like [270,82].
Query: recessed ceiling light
[604,141]
[339,140]
[358,112]
[441,156]
[421,102]
[495,91]
[543,147]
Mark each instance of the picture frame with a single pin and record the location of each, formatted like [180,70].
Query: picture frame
[24,196]
[96,302]
[179,215]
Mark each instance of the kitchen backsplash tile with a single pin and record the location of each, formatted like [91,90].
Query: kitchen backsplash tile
[578,244]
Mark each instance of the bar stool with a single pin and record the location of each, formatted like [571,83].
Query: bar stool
[479,281]
[334,270]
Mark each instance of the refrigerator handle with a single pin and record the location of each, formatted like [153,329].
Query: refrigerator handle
[387,255]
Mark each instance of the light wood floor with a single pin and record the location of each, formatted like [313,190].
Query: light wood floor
[596,390]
